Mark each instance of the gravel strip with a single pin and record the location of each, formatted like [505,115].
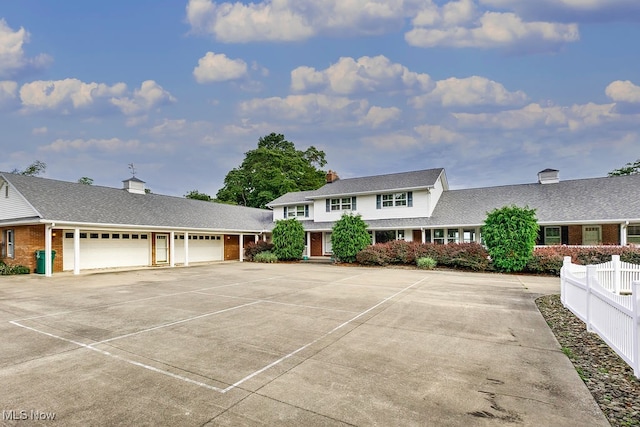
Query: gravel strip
[609,379]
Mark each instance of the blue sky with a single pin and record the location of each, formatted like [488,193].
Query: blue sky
[492,90]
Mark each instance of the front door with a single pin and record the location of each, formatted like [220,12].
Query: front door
[417,236]
[591,235]
[231,247]
[162,248]
[316,244]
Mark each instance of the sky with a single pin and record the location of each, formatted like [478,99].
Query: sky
[493,91]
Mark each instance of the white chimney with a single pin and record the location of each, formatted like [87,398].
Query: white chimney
[134,185]
[549,176]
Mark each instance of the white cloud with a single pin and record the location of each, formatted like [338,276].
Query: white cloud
[218,67]
[8,91]
[40,131]
[535,116]
[12,56]
[306,108]
[149,96]
[436,134]
[378,116]
[366,74]
[294,20]
[391,141]
[105,145]
[623,91]
[65,94]
[572,10]
[470,91]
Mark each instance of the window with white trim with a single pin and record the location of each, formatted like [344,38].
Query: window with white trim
[552,236]
[633,233]
[392,200]
[438,236]
[453,235]
[468,235]
[341,204]
[299,211]
[9,248]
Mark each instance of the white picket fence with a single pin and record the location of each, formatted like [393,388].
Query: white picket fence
[607,298]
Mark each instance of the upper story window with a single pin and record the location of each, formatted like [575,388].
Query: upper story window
[394,200]
[341,204]
[299,211]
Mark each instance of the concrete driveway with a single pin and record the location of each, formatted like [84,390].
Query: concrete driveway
[284,344]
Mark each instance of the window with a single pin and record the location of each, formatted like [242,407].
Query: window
[394,200]
[400,235]
[105,235]
[633,234]
[341,204]
[125,236]
[93,235]
[468,235]
[143,236]
[552,236]
[115,236]
[135,236]
[453,235]
[83,235]
[9,238]
[299,211]
[438,236]
[68,235]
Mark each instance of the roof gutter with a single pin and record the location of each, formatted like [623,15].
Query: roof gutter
[96,226]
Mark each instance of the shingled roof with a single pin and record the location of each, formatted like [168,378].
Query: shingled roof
[593,200]
[365,185]
[62,201]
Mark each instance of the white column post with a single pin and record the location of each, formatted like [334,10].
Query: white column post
[48,268]
[617,274]
[623,233]
[424,234]
[592,277]
[172,249]
[241,247]
[186,248]
[635,294]
[76,251]
[566,264]
[308,248]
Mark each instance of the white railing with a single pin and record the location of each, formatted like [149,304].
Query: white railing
[606,297]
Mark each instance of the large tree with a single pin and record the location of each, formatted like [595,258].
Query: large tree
[628,169]
[271,170]
[34,169]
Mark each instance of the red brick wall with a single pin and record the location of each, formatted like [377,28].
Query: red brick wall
[27,240]
[575,234]
[610,234]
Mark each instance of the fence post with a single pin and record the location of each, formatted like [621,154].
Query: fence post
[635,301]
[566,264]
[592,277]
[615,260]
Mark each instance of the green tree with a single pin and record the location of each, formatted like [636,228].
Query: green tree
[348,237]
[271,170]
[628,169]
[510,235]
[34,169]
[85,180]
[195,194]
[288,239]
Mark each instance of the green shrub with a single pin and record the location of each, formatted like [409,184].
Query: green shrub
[348,237]
[265,256]
[8,270]
[426,263]
[510,234]
[288,239]
[254,248]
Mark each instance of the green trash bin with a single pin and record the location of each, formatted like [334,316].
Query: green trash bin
[40,256]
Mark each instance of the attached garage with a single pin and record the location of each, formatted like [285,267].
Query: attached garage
[202,248]
[107,249]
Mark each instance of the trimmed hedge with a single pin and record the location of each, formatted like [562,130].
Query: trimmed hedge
[473,256]
[254,248]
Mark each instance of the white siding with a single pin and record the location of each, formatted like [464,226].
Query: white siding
[200,250]
[13,205]
[106,253]
[278,212]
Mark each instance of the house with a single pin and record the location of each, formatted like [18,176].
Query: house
[419,206]
[92,227]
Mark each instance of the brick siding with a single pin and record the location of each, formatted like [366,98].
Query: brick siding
[27,240]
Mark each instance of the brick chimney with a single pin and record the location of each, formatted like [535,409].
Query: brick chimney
[332,176]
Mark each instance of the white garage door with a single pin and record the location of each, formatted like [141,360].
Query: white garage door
[202,248]
[108,249]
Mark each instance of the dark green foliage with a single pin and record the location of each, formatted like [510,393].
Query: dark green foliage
[273,169]
[6,270]
[85,180]
[348,237]
[254,248]
[510,235]
[195,194]
[628,169]
[288,239]
[34,169]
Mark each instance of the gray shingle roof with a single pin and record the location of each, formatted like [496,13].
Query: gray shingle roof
[80,203]
[368,184]
[583,200]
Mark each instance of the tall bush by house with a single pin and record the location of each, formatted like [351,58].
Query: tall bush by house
[348,237]
[510,235]
[288,239]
